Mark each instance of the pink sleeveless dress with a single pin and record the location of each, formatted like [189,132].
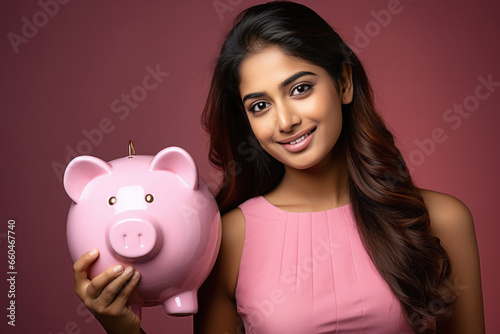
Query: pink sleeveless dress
[308,273]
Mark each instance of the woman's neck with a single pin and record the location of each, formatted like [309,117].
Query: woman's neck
[321,187]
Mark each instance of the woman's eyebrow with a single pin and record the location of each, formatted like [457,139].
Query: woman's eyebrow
[295,77]
[285,83]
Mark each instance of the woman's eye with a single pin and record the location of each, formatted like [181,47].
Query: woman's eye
[301,89]
[259,106]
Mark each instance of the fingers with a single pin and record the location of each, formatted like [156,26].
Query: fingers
[80,275]
[104,287]
[107,284]
[122,297]
[81,265]
[106,295]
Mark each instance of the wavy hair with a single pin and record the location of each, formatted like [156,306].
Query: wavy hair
[390,213]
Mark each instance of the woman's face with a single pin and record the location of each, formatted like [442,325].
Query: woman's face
[293,106]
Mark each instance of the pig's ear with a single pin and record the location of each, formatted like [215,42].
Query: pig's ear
[80,172]
[178,161]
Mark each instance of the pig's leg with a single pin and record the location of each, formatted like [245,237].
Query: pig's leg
[184,303]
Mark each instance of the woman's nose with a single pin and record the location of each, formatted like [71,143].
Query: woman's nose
[287,118]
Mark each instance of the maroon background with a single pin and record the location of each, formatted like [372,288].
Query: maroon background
[65,78]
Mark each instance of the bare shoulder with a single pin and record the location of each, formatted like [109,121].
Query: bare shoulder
[228,260]
[233,237]
[217,311]
[452,222]
[447,213]
[233,227]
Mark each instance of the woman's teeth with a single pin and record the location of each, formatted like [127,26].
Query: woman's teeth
[298,140]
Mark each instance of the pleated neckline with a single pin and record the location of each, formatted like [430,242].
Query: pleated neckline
[277,209]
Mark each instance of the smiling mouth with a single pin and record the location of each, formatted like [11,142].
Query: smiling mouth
[298,140]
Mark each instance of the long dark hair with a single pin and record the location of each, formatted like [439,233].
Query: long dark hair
[390,213]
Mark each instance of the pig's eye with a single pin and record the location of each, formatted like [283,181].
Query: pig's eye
[149,198]
[112,200]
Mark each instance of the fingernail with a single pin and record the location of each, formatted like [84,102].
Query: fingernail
[128,270]
[93,252]
[118,269]
[136,275]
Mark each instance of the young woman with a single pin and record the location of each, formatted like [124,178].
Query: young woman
[323,228]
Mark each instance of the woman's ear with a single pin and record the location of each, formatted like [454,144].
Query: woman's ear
[346,88]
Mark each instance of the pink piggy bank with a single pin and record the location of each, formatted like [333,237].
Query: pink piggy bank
[152,212]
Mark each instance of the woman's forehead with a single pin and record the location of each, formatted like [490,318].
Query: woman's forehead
[270,67]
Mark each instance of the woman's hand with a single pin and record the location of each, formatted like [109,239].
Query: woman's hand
[106,295]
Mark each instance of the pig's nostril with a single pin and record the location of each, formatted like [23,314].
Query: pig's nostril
[140,237]
[134,238]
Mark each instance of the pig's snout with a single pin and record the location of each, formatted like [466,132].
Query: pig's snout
[134,238]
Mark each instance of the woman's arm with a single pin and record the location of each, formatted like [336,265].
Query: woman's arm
[217,305]
[451,222]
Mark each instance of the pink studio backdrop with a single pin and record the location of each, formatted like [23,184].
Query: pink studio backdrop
[63,79]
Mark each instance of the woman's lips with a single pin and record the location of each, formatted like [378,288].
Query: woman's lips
[300,143]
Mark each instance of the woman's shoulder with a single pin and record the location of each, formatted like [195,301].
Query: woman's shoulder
[233,225]
[231,248]
[451,221]
[234,221]
[443,207]
[446,212]
[217,294]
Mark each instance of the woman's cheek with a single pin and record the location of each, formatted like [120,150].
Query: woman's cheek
[262,130]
